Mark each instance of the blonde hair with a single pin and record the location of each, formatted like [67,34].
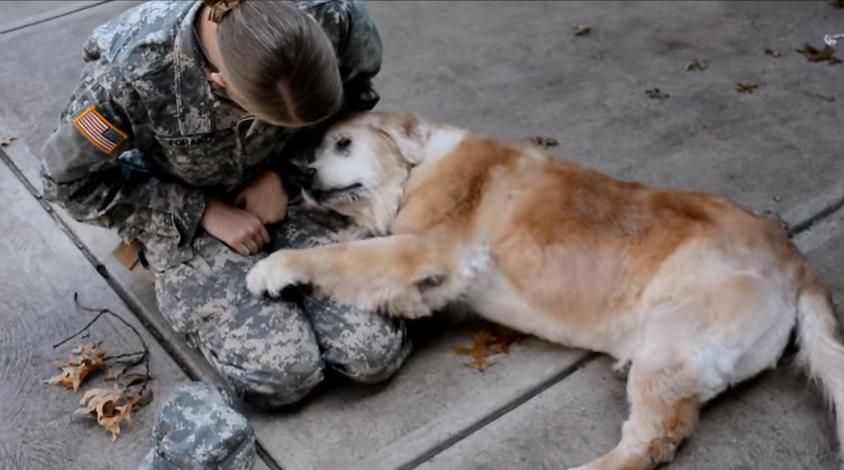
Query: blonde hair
[279,60]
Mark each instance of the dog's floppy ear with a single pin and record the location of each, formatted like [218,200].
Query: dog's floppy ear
[408,133]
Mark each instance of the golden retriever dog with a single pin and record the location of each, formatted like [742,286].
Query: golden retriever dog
[692,292]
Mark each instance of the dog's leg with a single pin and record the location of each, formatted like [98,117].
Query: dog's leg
[659,421]
[389,273]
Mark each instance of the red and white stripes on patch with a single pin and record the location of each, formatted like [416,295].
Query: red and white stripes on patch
[98,130]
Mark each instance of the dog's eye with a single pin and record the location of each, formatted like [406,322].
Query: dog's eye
[343,143]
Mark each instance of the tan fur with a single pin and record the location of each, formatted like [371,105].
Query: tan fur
[697,293]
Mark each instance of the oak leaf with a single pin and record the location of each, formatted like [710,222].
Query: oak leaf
[656,94]
[582,29]
[110,407]
[819,55]
[485,344]
[544,141]
[696,64]
[746,87]
[82,361]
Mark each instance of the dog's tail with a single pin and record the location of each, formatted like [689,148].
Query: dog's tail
[821,350]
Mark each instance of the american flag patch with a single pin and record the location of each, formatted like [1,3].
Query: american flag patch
[97,130]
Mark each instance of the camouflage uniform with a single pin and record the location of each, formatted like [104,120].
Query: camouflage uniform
[167,140]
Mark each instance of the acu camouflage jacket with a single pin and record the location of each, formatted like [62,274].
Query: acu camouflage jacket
[146,137]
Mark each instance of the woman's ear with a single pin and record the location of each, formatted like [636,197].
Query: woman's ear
[217,78]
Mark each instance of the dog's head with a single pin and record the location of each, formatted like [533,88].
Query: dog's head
[362,164]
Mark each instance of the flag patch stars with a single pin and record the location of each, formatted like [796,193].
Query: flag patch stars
[98,131]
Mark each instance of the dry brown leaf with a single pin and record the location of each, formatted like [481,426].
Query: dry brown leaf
[111,374]
[656,94]
[819,55]
[5,140]
[544,141]
[746,87]
[773,53]
[582,29]
[696,64]
[485,344]
[83,360]
[110,407]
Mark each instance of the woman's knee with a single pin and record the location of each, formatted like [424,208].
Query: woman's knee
[376,359]
[270,388]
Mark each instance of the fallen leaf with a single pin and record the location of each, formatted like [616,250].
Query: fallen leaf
[773,53]
[582,29]
[656,94]
[544,141]
[838,3]
[485,344]
[5,140]
[83,360]
[696,64]
[110,407]
[816,55]
[746,87]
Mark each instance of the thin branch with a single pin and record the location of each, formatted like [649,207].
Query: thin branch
[100,312]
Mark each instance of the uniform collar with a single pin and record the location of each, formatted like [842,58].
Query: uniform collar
[195,102]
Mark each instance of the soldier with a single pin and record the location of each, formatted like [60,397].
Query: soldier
[181,135]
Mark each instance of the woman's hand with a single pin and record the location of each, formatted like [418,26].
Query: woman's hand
[264,198]
[241,231]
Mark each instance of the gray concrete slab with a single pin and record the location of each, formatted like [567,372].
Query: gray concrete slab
[20,14]
[434,398]
[514,70]
[775,421]
[39,274]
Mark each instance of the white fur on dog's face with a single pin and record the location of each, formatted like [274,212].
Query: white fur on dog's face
[346,158]
[361,166]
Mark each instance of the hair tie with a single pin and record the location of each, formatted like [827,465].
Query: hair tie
[217,9]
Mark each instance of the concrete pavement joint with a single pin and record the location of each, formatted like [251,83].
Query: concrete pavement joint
[822,214]
[501,411]
[40,19]
[266,457]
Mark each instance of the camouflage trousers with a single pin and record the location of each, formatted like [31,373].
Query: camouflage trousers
[275,351]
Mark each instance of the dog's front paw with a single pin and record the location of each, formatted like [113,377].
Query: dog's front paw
[272,274]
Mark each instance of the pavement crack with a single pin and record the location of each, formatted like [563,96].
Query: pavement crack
[499,412]
[40,19]
[813,220]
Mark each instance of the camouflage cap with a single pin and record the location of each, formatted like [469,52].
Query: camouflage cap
[197,429]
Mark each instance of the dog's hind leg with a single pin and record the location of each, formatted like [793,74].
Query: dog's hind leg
[660,419]
[396,274]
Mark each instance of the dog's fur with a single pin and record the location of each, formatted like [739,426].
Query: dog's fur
[695,293]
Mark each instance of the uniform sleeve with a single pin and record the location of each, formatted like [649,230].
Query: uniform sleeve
[358,46]
[82,171]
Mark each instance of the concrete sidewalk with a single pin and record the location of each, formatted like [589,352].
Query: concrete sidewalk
[509,69]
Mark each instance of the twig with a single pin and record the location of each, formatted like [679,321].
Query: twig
[104,311]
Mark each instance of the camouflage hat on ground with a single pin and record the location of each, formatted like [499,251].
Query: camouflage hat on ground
[198,429]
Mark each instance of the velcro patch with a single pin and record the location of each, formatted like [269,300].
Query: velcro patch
[97,130]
